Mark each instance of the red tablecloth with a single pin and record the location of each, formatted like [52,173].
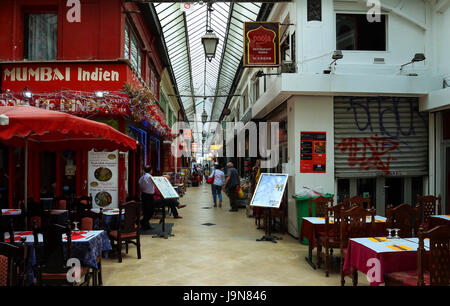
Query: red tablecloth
[310,230]
[359,254]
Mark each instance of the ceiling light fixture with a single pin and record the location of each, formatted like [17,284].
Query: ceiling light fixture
[209,40]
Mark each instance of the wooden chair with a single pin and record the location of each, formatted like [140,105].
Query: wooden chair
[404,217]
[427,205]
[62,203]
[433,266]
[36,213]
[329,238]
[83,203]
[129,229]
[13,264]
[90,220]
[358,201]
[51,269]
[354,225]
[322,205]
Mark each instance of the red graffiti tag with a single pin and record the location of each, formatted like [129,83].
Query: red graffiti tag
[368,153]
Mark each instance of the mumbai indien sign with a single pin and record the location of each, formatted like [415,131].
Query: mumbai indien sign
[261,44]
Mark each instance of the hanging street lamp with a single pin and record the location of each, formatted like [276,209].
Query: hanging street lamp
[210,40]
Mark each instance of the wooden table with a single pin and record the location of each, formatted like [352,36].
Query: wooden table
[312,226]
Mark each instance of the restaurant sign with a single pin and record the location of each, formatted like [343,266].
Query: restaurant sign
[53,77]
[261,44]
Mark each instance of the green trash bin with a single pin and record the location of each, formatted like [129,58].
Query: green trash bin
[303,211]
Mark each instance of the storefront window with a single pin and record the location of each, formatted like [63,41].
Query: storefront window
[41,36]
[127,41]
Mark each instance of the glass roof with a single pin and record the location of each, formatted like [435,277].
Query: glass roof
[194,75]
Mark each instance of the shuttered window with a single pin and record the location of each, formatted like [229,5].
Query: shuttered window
[380,136]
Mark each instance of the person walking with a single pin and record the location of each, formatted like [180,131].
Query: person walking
[147,197]
[231,182]
[216,186]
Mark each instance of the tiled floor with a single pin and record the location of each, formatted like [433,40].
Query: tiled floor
[225,254]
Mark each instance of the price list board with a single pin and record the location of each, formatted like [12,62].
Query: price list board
[313,155]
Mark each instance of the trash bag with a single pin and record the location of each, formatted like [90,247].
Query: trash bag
[308,192]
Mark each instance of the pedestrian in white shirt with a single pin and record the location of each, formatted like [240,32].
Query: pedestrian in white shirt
[216,186]
[147,197]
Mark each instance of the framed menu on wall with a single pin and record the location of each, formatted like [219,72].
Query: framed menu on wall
[165,187]
[269,190]
[103,179]
[313,157]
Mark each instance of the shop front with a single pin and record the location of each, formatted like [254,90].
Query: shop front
[101,91]
[381,149]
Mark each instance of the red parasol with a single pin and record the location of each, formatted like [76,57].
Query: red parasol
[53,130]
[24,126]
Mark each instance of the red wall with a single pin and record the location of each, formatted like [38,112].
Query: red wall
[99,35]
[95,37]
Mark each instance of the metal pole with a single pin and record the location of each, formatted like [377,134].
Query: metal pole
[26,178]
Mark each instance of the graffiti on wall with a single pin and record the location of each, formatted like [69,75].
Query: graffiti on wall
[389,125]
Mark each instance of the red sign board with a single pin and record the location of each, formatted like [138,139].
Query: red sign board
[313,157]
[43,77]
[261,44]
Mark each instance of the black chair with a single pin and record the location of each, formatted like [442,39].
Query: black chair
[129,229]
[90,221]
[51,268]
[13,264]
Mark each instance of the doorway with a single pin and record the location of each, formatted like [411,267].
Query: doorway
[394,191]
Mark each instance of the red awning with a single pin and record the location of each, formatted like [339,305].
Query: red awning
[53,130]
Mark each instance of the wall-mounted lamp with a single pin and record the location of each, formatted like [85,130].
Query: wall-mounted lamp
[100,94]
[27,94]
[260,73]
[418,57]
[337,55]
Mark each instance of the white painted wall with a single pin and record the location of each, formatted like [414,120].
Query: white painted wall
[309,114]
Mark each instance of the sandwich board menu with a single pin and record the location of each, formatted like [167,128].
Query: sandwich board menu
[269,190]
[313,157]
[165,187]
[103,179]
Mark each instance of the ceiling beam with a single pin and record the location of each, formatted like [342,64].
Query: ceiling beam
[442,6]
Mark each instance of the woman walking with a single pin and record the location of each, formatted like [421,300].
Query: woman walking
[216,187]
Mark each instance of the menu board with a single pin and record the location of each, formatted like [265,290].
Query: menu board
[165,187]
[313,157]
[103,178]
[269,190]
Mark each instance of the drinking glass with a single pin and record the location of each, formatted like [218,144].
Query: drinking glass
[396,230]
[75,223]
[389,236]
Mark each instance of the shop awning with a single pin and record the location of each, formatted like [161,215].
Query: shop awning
[53,130]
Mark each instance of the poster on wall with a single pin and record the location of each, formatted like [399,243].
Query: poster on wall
[313,157]
[165,187]
[103,179]
[269,190]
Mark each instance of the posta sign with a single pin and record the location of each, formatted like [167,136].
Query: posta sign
[50,77]
[261,44]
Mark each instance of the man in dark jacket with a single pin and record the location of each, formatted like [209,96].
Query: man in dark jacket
[231,182]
